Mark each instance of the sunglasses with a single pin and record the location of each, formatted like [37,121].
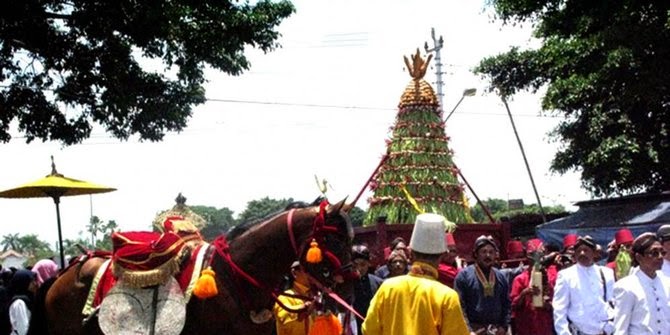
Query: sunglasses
[655,253]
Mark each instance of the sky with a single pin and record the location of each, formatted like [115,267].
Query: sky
[322,105]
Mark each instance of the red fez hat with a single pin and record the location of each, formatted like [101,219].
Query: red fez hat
[533,245]
[449,239]
[569,240]
[387,252]
[514,247]
[623,236]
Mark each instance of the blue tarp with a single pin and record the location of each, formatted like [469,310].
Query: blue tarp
[601,219]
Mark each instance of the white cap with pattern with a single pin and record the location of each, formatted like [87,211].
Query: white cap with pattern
[428,234]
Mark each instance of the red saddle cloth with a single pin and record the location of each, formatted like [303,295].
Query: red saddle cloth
[144,259]
[142,251]
[186,278]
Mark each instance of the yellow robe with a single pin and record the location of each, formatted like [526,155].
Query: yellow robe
[289,323]
[415,304]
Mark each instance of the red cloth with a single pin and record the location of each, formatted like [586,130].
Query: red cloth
[446,274]
[141,250]
[527,320]
[569,240]
[107,281]
[623,236]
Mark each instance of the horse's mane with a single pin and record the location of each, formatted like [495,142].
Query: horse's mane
[245,226]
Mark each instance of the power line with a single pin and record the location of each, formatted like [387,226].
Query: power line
[295,104]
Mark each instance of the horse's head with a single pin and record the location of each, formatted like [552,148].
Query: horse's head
[333,232]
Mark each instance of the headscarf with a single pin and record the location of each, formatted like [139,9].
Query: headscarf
[21,282]
[45,269]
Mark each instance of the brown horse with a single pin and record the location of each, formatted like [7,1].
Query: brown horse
[263,250]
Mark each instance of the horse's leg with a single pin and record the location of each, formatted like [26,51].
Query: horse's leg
[65,300]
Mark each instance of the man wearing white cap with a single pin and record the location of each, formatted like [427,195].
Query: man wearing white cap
[663,235]
[416,303]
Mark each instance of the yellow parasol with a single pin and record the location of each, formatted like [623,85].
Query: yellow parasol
[55,186]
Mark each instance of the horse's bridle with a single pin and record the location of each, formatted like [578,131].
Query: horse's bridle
[318,234]
[319,230]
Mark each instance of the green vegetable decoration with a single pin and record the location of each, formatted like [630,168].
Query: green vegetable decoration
[623,263]
[419,160]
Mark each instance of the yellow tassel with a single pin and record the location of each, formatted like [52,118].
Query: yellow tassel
[326,324]
[314,253]
[205,287]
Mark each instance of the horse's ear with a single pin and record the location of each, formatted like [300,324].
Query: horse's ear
[337,207]
[348,207]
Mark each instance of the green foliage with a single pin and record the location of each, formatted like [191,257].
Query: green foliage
[604,65]
[493,205]
[68,65]
[499,209]
[28,245]
[357,216]
[219,220]
[258,209]
[420,161]
[10,241]
[97,227]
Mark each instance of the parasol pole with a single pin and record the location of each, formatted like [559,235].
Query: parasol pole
[60,234]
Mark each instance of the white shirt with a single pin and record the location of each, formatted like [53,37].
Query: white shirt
[666,268]
[578,297]
[642,305]
[19,317]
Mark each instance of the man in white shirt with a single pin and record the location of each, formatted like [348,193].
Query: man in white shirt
[583,295]
[641,300]
[663,235]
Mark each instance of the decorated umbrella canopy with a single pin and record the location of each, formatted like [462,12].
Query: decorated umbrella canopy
[55,186]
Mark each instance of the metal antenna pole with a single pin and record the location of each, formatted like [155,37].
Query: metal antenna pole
[439,43]
[525,160]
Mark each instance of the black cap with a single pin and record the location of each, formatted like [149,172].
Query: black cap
[360,251]
[484,240]
[587,241]
[643,242]
[663,233]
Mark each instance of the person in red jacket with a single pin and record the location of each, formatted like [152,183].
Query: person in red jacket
[528,319]
[450,264]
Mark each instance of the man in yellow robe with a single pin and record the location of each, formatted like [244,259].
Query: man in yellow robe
[416,303]
[287,322]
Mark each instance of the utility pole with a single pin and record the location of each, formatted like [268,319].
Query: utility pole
[438,44]
[525,160]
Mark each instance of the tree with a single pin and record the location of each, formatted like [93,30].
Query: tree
[34,248]
[68,65]
[219,220]
[97,227]
[498,209]
[418,174]
[261,208]
[106,230]
[604,66]
[357,216]
[493,205]
[10,241]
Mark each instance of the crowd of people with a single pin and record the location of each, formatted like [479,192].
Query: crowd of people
[578,288]
[17,294]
